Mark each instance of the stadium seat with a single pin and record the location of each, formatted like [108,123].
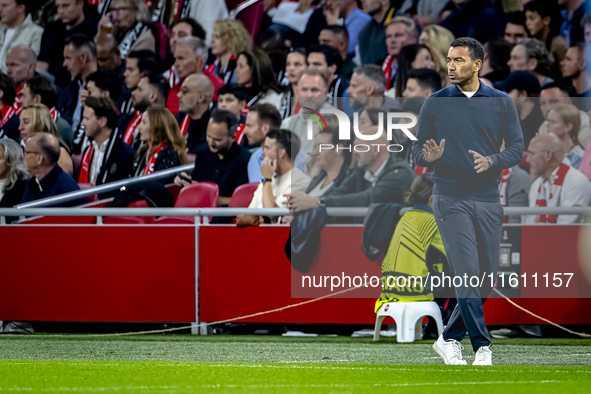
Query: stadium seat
[76,164]
[197,195]
[409,318]
[243,195]
[86,186]
[131,219]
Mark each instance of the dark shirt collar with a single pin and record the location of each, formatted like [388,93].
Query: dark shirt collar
[230,154]
[483,91]
[48,179]
[423,207]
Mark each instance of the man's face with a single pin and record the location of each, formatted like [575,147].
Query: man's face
[537,159]
[313,89]
[90,122]
[181,30]
[519,61]
[326,37]
[10,12]
[460,66]
[365,159]
[572,63]
[552,98]
[72,60]
[217,137]
[323,158]
[270,149]
[372,7]
[27,97]
[94,91]
[142,95]
[317,60]
[69,11]
[397,37]
[358,91]
[514,33]
[534,22]
[588,34]
[132,73]
[18,68]
[253,129]
[188,95]
[185,61]
[33,158]
[229,102]
[107,58]
[413,89]
[123,15]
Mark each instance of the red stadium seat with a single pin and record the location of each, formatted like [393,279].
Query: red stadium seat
[243,195]
[131,219]
[76,163]
[197,195]
[86,186]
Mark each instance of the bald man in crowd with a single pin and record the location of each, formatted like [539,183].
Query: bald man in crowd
[195,97]
[108,56]
[20,66]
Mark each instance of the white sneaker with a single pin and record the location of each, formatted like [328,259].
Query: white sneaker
[450,351]
[483,356]
[14,327]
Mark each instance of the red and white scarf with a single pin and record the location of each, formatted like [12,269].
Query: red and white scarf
[18,104]
[387,68]
[185,125]
[421,170]
[7,112]
[240,133]
[149,169]
[53,113]
[172,77]
[549,193]
[503,186]
[130,131]
[86,162]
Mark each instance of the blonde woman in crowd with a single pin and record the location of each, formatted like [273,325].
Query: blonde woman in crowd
[438,40]
[565,121]
[228,40]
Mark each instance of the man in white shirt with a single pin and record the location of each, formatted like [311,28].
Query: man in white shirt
[17,28]
[557,183]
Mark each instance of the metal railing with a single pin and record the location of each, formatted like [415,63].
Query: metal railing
[241,7]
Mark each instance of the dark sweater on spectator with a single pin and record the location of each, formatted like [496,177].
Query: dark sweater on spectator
[479,124]
[10,129]
[372,40]
[54,183]
[167,158]
[197,130]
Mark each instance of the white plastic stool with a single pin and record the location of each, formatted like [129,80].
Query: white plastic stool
[409,318]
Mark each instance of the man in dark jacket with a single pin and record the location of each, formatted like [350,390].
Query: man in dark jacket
[372,38]
[41,155]
[107,158]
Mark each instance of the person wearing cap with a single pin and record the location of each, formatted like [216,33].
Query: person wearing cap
[523,87]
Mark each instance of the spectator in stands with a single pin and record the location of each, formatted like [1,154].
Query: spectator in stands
[108,56]
[585,166]
[551,96]
[523,87]
[17,28]
[42,154]
[163,145]
[379,178]
[128,20]
[333,163]
[232,97]
[10,120]
[531,55]
[328,61]
[540,18]
[564,121]
[497,53]
[411,57]
[195,99]
[514,189]
[291,19]
[255,72]
[13,173]
[70,20]
[222,161]
[20,66]
[422,83]
[190,56]
[40,90]
[181,28]
[474,18]
[424,12]
[338,37]
[557,184]
[573,13]
[372,38]
[367,87]
[80,61]
[354,20]
[312,92]
[107,158]
[228,40]
[152,90]
[574,66]
[36,118]
[294,67]
[402,31]
[515,27]
[137,63]
[438,39]
[204,12]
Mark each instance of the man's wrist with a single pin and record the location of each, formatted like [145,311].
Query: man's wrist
[320,201]
[491,161]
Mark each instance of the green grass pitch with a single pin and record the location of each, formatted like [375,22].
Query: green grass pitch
[253,364]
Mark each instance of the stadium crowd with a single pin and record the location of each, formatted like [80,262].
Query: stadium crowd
[94,91]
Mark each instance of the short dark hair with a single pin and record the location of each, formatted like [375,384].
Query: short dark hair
[237,90]
[341,30]
[331,55]
[50,150]
[515,18]
[80,41]
[227,117]
[499,53]
[30,6]
[106,81]
[42,86]
[544,8]
[287,140]
[563,88]
[586,20]
[8,89]
[267,114]
[147,61]
[196,29]
[334,140]
[103,108]
[159,82]
[426,78]
[475,48]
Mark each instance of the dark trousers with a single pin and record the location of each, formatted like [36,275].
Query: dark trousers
[471,234]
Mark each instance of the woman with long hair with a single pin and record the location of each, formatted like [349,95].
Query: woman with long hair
[255,71]
[565,121]
[163,145]
[295,65]
[411,57]
[12,173]
[229,38]
[36,118]
[438,39]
